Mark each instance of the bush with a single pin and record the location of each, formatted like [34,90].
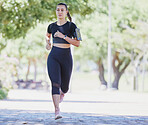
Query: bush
[3,93]
[8,70]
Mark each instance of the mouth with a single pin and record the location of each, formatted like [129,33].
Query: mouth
[60,15]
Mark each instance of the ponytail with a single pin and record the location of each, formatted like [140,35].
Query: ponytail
[69,17]
[68,14]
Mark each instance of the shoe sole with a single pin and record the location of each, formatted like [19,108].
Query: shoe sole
[58,117]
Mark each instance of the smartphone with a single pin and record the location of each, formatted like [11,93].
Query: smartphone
[78,34]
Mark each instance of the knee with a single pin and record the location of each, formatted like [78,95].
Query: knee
[64,90]
[55,88]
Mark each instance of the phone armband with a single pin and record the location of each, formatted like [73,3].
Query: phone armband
[78,34]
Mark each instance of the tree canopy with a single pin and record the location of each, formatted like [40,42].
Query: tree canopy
[128,19]
[18,16]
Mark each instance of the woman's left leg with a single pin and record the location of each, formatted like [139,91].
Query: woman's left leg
[66,71]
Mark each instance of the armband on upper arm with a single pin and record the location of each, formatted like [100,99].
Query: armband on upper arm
[78,34]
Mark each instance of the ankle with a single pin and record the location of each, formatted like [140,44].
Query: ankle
[57,109]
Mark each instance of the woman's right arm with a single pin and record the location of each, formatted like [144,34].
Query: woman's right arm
[48,37]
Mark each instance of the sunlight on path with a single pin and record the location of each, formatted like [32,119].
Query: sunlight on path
[103,107]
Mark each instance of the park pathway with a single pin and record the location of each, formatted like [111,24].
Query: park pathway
[34,107]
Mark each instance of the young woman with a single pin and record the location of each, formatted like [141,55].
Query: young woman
[59,61]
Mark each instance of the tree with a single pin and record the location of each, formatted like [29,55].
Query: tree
[136,44]
[95,47]
[3,43]
[8,66]
[17,16]
[29,50]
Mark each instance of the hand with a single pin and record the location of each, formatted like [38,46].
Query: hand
[48,46]
[47,40]
[58,34]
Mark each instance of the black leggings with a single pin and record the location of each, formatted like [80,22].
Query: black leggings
[59,66]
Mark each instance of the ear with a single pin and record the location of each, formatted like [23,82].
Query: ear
[66,11]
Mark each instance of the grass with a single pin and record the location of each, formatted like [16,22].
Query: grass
[3,93]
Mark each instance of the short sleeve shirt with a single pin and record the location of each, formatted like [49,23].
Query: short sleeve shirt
[67,29]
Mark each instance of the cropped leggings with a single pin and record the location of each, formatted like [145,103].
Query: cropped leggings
[59,65]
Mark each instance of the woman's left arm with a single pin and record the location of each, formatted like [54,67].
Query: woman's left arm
[74,42]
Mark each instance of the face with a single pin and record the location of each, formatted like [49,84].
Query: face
[61,11]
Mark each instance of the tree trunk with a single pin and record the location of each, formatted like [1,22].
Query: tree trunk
[135,85]
[118,71]
[101,73]
[115,83]
[17,74]
[35,69]
[28,70]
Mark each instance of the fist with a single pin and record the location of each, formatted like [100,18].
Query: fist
[58,34]
[48,46]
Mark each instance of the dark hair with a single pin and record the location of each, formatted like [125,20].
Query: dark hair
[68,14]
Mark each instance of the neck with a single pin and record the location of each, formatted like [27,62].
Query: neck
[61,21]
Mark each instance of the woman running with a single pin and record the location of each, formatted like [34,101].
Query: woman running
[59,62]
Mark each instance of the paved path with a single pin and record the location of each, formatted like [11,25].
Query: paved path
[34,107]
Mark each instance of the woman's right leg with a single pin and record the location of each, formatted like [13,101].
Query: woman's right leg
[56,100]
[55,77]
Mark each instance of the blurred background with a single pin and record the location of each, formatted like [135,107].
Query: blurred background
[23,54]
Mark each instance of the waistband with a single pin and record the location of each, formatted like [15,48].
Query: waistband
[57,50]
[55,47]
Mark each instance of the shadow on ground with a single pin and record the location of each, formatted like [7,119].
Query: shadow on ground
[65,101]
[34,117]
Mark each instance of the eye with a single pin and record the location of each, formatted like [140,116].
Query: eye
[58,9]
[62,10]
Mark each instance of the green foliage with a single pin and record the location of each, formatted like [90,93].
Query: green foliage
[124,14]
[3,44]
[8,67]
[17,17]
[125,32]
[3,93]
[32,47]
[94,34]
[133,40]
